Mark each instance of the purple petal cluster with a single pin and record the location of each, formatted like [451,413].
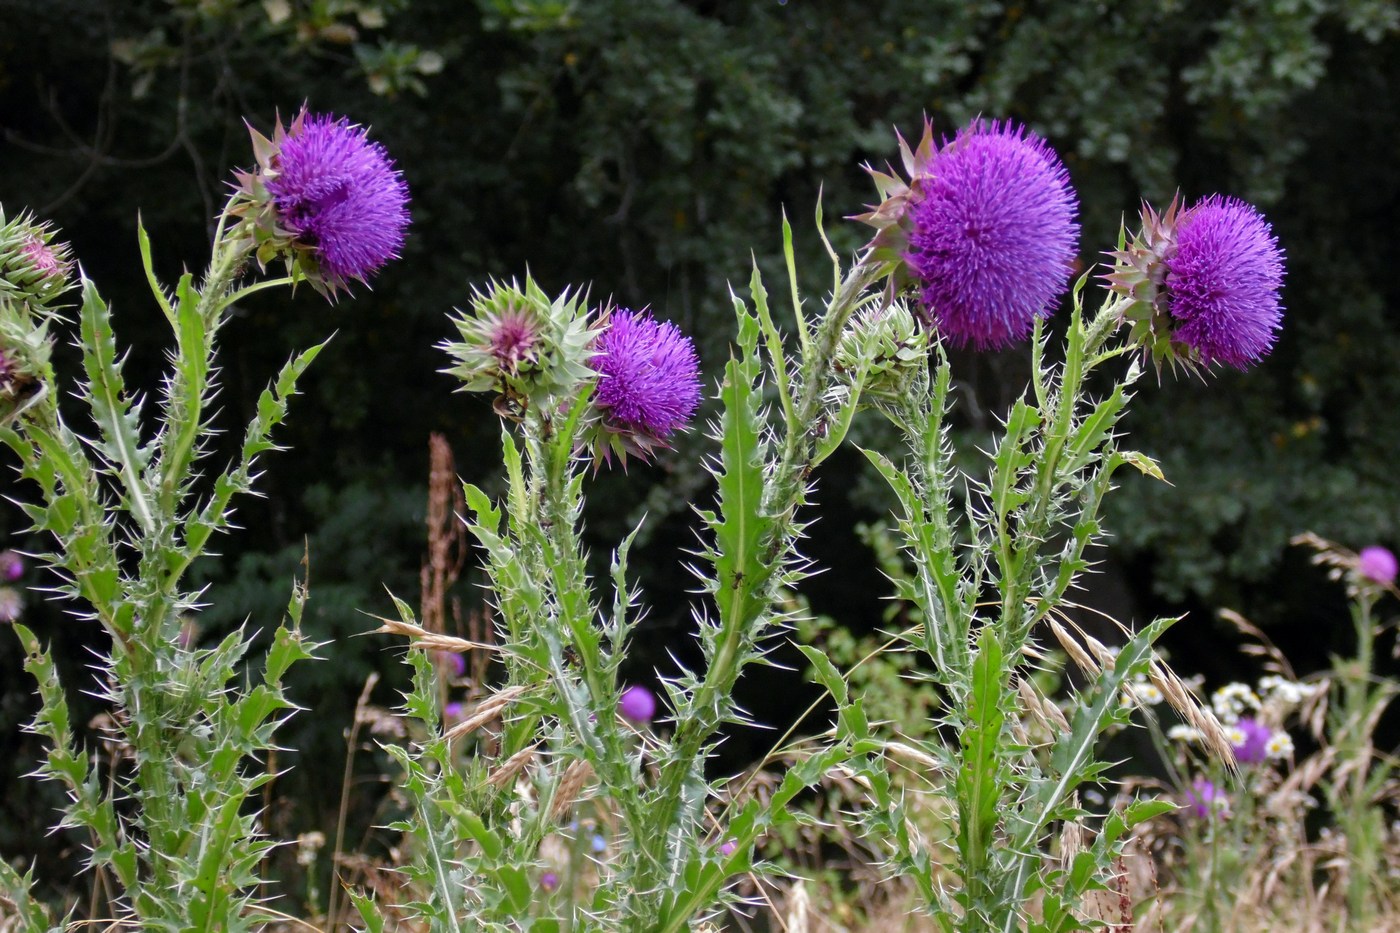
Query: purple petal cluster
[339,193]
[1223,282]
[637,704]
[1251,741]
[1203,798]
[648,376]
[993,239]
[1378,564]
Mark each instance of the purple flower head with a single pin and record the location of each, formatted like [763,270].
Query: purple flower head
[11,604]
[452,662]
[549,880]
[728,847]
[1250,739]
[453,711]
[1377,564]
[11,566]
[1223,283]
[45,260]
[637,704]
[1205,799]
[338,194]
[648,382]
[994,235]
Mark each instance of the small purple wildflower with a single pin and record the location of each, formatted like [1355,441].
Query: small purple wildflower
[11,566]
[1250,739]
[549,880]
[337,192]
[1204,799]
[11,604]
[637,704]
[648,379]
[1377,564]
[728,847]
[452,662]
[453,711]
[994,236]
[1223,282]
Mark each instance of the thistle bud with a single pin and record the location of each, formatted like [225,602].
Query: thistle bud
[33,268]
[522,344]
[884,348]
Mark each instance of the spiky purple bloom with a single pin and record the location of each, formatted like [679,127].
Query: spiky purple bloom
[452,662]
[637,704]
[1204,799]
[648,377]
[993,239]
[1223,282]
[338,192]
[1250,740]
[11,566]
[1377,564]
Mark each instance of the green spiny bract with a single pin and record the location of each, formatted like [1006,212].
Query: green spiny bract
[1140,273]
[881,350]
[522,344]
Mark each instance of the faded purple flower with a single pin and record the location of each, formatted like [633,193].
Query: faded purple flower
[1204,799]
[1377,564]
[549,880]
[1250,739]
[728,847]
[11,565]
[453,711]
[1223,282]
[452,662]
[45,260]
[994,236]
[337,192]
[648,380]
[637,704]
[11,604]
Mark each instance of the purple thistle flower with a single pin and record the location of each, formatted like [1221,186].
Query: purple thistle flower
[11,564]
[1204,799]
[728,847]
[637,704]
[549,880]
[1223,282]
[648,380]
[1377,564]
[338,193]
[1250,739]
[453,712]
[994,236]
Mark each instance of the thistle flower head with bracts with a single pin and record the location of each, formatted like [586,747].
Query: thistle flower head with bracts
[648,385]
[987,231]
[882,348]
[1377,564]
[522,344]
[1206,281]
[34,268]
[327,198]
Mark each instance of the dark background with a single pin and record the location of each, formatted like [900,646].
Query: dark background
[645,148]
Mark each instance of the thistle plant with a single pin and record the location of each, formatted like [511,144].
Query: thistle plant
[125,490]
[975,250]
